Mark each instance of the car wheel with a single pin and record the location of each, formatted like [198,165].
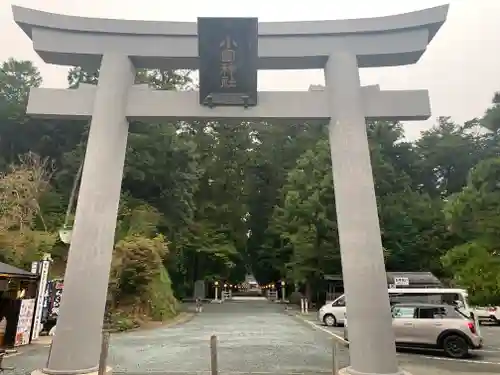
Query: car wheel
[455,346]
[330,320]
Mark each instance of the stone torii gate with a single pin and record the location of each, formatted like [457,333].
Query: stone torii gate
[118,47]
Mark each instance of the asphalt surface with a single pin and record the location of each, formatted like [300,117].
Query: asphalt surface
[254,337]
[484,361]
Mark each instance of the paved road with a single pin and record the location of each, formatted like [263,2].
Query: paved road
[252,337]
[255,337]
[482,361]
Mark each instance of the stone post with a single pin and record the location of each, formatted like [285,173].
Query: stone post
[372,348]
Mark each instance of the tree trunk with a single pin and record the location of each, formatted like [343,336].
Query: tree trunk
[308,293]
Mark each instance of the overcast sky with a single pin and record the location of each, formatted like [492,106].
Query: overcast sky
[461,68]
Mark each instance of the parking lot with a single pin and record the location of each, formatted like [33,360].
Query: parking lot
[484,360]
[255,338]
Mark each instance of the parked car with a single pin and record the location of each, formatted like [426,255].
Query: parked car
[488,314]
[433,326]
[332,313]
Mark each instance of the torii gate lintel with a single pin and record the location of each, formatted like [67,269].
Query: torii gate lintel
[147,104]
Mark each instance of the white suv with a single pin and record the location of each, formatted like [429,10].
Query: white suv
[333,313]
[421,325]
[491,314]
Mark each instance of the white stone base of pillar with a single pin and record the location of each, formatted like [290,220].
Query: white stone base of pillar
[108,371]
[350,371]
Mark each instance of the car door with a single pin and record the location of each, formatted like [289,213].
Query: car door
[429,324]
[338,309]
[402,324]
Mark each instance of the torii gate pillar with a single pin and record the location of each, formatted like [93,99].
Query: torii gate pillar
[363,268]
[338,47]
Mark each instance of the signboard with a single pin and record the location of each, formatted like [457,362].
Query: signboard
[401,281]
[23,329]
[42,288]
[56,294]
[228,53]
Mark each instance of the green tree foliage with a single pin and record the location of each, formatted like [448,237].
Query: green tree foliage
[16,78]
[473,214]
[305,219]
[139,284]
[447,152]
[24,235]
[229,198]
[476,266]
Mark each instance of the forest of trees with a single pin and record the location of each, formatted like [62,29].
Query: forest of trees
[213,201]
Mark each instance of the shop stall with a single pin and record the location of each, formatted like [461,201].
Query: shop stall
[18,291]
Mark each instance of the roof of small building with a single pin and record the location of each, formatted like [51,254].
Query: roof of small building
[426,278]
[416,278]
[8,270]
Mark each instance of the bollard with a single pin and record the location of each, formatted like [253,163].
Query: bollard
[336,343]
[103,358]
[213,355]
[306,306]
[50,351]
[335,363]
[302,306]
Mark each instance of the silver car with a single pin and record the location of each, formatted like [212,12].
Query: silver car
[434,326]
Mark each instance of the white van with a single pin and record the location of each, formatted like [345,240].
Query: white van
[333,313]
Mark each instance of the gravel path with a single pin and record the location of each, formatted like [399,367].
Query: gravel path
[253,336]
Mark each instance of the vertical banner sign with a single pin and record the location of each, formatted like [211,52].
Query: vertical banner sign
[57,290]
[34,267]
[44,275]
[228,54]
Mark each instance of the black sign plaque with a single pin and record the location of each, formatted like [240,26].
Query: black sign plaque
[228,53]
